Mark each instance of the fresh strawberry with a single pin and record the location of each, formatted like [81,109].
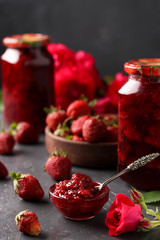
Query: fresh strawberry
[94,130]
[6,143]
[76,127]
[54,117]
[112,134]
[77,138]
[3,171]
[27,187]
[78,108]
[24,132]
[27,222]
[58,166]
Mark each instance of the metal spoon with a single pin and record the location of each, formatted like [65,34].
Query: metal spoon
[133,166]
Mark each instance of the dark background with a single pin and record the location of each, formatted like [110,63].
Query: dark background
[113,31]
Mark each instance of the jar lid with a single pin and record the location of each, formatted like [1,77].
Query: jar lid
[143,66]
[26,40]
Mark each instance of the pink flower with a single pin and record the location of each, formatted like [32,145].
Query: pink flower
[61,55]
[84,59]
[71,83]
[75,75]
[104,105]
[113,88]
[123,215]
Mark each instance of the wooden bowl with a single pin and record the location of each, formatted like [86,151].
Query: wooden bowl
[83,154]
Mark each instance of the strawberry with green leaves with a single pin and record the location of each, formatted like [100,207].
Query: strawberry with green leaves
[27,222]
[76,126]
[58,166]
[54,117]
[26,186]
[24,132]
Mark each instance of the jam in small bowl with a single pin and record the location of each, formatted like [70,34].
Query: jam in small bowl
[78,199]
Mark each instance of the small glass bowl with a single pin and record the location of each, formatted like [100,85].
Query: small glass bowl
[79,209]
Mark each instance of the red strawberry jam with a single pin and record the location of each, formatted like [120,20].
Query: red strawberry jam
[139,122]
[78,199]
[27,79]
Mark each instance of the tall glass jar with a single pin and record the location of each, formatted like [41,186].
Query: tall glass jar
[139,122]
[27,79]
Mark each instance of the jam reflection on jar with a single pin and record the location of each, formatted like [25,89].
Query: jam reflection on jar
[139,122]
[27,79]
[78,199]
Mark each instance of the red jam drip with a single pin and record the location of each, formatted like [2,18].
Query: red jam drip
[139,129]
[78,199]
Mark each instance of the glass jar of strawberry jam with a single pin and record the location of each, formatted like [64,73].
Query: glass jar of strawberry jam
[27,79]
[139,122]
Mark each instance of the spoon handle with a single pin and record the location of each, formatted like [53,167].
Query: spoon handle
[133,166]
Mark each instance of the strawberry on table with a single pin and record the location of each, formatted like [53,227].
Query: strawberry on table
[58,166]
[76,127]
[3,171]
[6,143]
[27,187]
[94,130]
[27,222]
[24,132]
[78,108]
[55,117]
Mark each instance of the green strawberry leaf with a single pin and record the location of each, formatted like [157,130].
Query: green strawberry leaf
[151,197]
[108,79]
[50,109]
[84,98]
[63,153]
[13,175]
[13,125]
[93,102]
[56,153]
[69,137]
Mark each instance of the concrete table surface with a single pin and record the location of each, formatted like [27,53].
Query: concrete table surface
[31,159]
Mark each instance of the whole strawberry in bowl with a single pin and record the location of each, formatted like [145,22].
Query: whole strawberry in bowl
[78,108]
[24,133]
[55,117]
[94,130]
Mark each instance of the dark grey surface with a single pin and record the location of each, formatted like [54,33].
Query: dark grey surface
[31,159]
